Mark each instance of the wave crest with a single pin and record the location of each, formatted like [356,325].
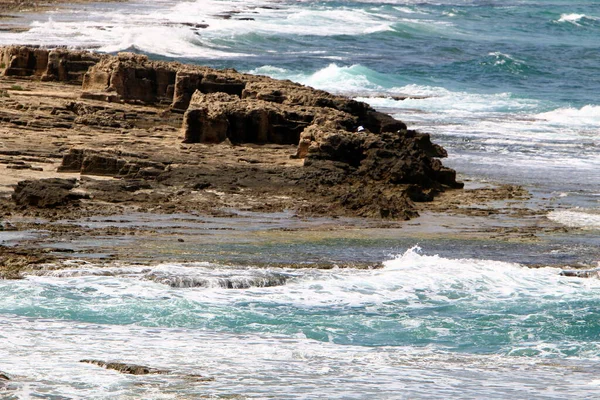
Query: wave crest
[577,19]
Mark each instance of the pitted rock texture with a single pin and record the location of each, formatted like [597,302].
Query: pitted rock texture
[180,138]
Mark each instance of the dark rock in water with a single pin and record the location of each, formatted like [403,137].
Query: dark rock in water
[125,368]
[582,273]
[134,369]
[46,193]
[4,378]
[224,282]
[14,261]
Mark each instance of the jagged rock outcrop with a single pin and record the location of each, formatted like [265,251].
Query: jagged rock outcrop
[23,61]
[354,157]
[68,66]
[59,65]
[134,78]
[46,193]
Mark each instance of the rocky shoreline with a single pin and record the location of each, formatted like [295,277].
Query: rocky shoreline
[90,137]
[85,134]
[171,130]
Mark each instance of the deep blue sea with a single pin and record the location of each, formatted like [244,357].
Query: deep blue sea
[511,90]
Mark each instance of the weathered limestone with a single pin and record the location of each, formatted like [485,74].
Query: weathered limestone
[132,77]
[187,82]
[50,65]
[68,66]
[213,118]
[23,61]
[365,160]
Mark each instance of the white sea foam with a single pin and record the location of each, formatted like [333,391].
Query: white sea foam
[577,218]
[587,115]
[575,19]
[572,18]
[42,356]
[412,277]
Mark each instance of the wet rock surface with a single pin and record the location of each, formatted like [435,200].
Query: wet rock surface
[125,368]
[134,369]
[14,262]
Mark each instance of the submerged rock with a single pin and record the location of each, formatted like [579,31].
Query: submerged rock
[241,282]
[582,273]
[134,369]
[126,368]
[4,378]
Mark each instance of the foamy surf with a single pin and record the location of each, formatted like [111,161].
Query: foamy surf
[420,317]
[585,116]
[577,218]
[576,19]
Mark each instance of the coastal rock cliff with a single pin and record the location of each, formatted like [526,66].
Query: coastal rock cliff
[348,158]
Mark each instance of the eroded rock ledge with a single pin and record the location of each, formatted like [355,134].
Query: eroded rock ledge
[350,159]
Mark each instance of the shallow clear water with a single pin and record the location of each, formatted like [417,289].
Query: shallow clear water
[510,88]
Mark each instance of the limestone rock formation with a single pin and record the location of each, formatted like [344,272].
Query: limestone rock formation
[214,118]
[92,162]
[59,65]
[46,193]
[353,157]
[132,78]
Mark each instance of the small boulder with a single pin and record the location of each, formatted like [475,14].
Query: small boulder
[46,193]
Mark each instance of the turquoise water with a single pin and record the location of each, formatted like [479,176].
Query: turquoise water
[510,88]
